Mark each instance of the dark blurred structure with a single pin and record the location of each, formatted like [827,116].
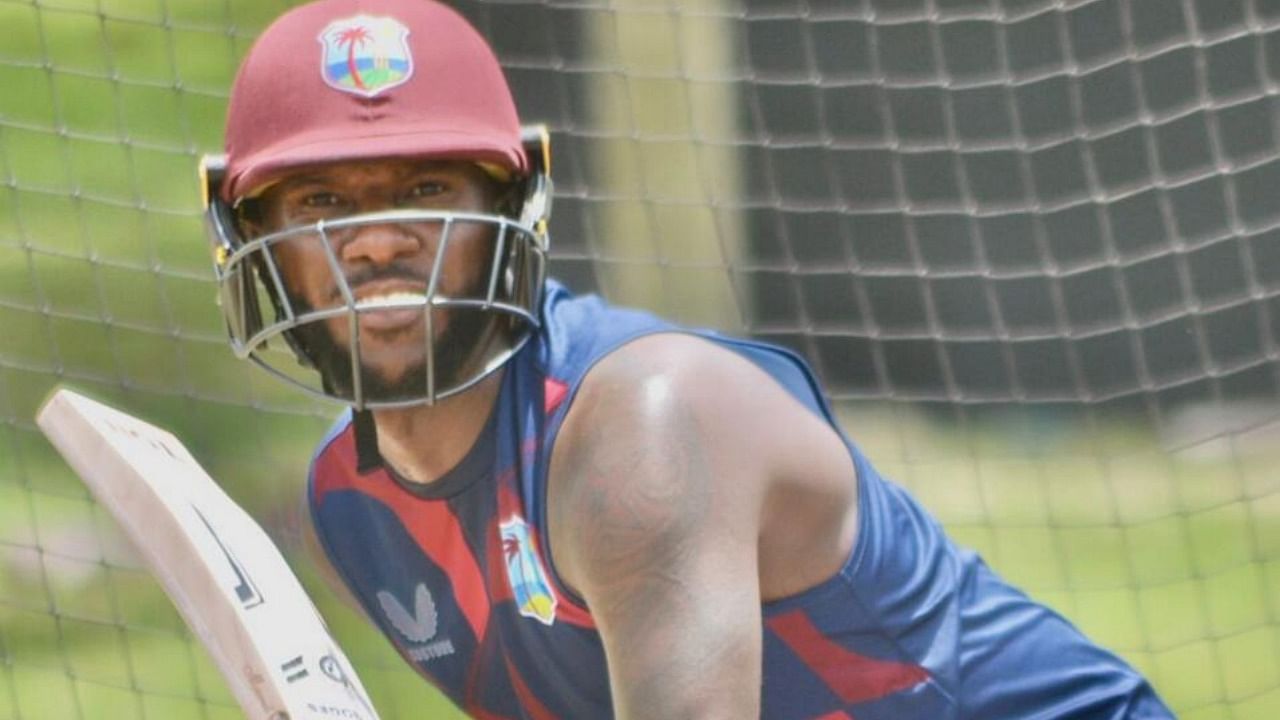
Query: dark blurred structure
[982,200]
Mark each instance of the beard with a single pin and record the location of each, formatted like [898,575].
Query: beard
[456,351]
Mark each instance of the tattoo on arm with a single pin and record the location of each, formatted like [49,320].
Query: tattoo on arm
[638,498]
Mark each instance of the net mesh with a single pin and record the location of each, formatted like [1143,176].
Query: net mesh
[1030,246]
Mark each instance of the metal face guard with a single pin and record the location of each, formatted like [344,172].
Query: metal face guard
[249,280]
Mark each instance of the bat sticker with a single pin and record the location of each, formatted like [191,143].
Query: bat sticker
[245,588]
[294,670]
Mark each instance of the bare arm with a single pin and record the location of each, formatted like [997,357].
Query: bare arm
[655,519]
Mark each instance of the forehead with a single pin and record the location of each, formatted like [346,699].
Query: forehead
[355,173]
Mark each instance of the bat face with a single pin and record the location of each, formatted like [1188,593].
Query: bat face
[226,577]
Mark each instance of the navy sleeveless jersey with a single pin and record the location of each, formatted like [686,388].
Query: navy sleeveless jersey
[455,574]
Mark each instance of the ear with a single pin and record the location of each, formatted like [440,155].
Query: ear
[507,197]
[251,218]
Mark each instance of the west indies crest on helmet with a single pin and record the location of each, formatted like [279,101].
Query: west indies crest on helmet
[365,55]
[351,80]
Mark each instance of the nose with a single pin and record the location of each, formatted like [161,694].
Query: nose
[378,244]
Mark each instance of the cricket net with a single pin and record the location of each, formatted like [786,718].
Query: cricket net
[1031,246]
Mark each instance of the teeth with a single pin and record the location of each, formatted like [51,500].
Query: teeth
[402,300]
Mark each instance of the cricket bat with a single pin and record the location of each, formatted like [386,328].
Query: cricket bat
[228,580]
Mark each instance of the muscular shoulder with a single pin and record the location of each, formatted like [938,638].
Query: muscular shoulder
[637,460]
[678,395]
[665,428]
[669,388]
[658,376]
[675,443]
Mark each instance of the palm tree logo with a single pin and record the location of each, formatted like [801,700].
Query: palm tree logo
[354,37]
[529,585]
[365,55]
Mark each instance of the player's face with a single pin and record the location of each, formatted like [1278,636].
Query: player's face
[385,262]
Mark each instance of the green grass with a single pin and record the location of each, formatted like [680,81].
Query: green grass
[1171,559]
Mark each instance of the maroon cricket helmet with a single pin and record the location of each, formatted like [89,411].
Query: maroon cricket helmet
[340,80]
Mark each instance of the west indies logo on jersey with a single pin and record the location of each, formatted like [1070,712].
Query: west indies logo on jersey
[365,55]
[529,584]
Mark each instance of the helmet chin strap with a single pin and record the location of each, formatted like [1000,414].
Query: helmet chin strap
[368,456]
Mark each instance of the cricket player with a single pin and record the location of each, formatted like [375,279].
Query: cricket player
[554,508]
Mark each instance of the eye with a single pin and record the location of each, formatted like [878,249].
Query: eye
[427,189]
[321,200]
